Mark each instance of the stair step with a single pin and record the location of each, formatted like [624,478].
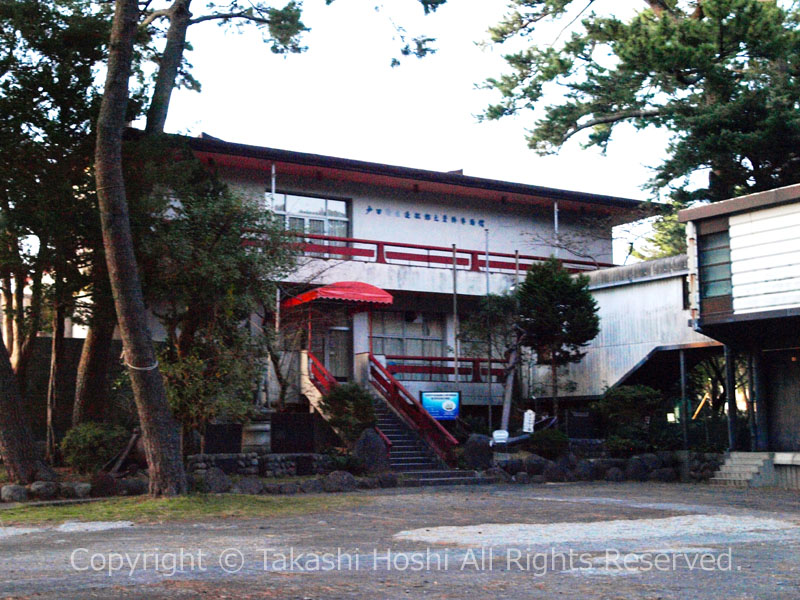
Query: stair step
[438,473]
[737,469]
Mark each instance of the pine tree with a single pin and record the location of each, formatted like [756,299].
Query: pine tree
[558,316]
[722,76]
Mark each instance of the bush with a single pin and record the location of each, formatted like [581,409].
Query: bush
[87,447]
[549,443]
[349,410]
[622,447]
[343,461]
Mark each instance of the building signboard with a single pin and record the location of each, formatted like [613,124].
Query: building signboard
[441,405]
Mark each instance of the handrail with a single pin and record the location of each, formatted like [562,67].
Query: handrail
[475,369]
[472,260]
[385,439]
[320,376]
[411,411]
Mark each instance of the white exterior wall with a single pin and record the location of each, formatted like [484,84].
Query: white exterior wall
[765,259]
[511,226]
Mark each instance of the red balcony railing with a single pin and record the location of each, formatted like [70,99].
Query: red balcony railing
[441,368]
[411,411]
[399,253]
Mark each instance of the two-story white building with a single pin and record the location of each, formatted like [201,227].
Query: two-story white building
[433,242]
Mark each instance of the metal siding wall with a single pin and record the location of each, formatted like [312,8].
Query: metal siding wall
[765,259]
[634,319]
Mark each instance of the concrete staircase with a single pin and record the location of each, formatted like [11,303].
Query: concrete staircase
[411,458]
[746,469]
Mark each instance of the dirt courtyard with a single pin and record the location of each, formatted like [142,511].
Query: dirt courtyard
[595,540]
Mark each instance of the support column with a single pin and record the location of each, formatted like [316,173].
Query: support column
[751,398]
[730,391]
[759,385]
[684,401]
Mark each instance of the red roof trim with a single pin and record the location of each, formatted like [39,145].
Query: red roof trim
[261,159]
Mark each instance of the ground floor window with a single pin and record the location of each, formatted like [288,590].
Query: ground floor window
[409,334]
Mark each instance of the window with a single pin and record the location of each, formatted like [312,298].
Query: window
[409,334]
[714,258]
[310,214]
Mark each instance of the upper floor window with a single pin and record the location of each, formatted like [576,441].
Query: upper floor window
[714,258]
[311,214]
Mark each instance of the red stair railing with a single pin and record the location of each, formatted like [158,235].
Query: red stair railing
[411,411]
[320,376]
[324,381]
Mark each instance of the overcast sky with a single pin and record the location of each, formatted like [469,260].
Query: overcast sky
[342,98]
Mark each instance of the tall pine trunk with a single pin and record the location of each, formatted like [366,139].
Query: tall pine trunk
[92,384]
[56,360]
[554,378]
[16,438]
[159,429]
[168,66]
[25,333]
[508,387]
[8,315]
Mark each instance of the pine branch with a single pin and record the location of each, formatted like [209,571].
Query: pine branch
[612,118]
[156,14]
[227,16]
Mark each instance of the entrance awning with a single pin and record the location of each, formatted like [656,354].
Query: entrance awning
[343,291]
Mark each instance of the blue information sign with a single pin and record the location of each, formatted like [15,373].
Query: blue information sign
[441,405]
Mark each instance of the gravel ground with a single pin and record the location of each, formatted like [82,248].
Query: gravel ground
[571,540]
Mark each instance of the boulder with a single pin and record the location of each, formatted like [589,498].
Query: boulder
[46,473]
[667,458]
[615,474]
[665,474]
[371,450]
[387,480]
[512,465]
[567,462]
[83,490]
[250,486]
[13,493]
[44,490]
[289,488]
[339,481]
[368,483]
[215,481]
[104,485]
[133,486]
[67,490]
[652,461]
[636,469]
[311,486]
[74,489]
[612,462]
[535,464]
[271,488]
[522,477]
[477,452]
[537,479]
[584,471]
[554,472]
[498,474]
